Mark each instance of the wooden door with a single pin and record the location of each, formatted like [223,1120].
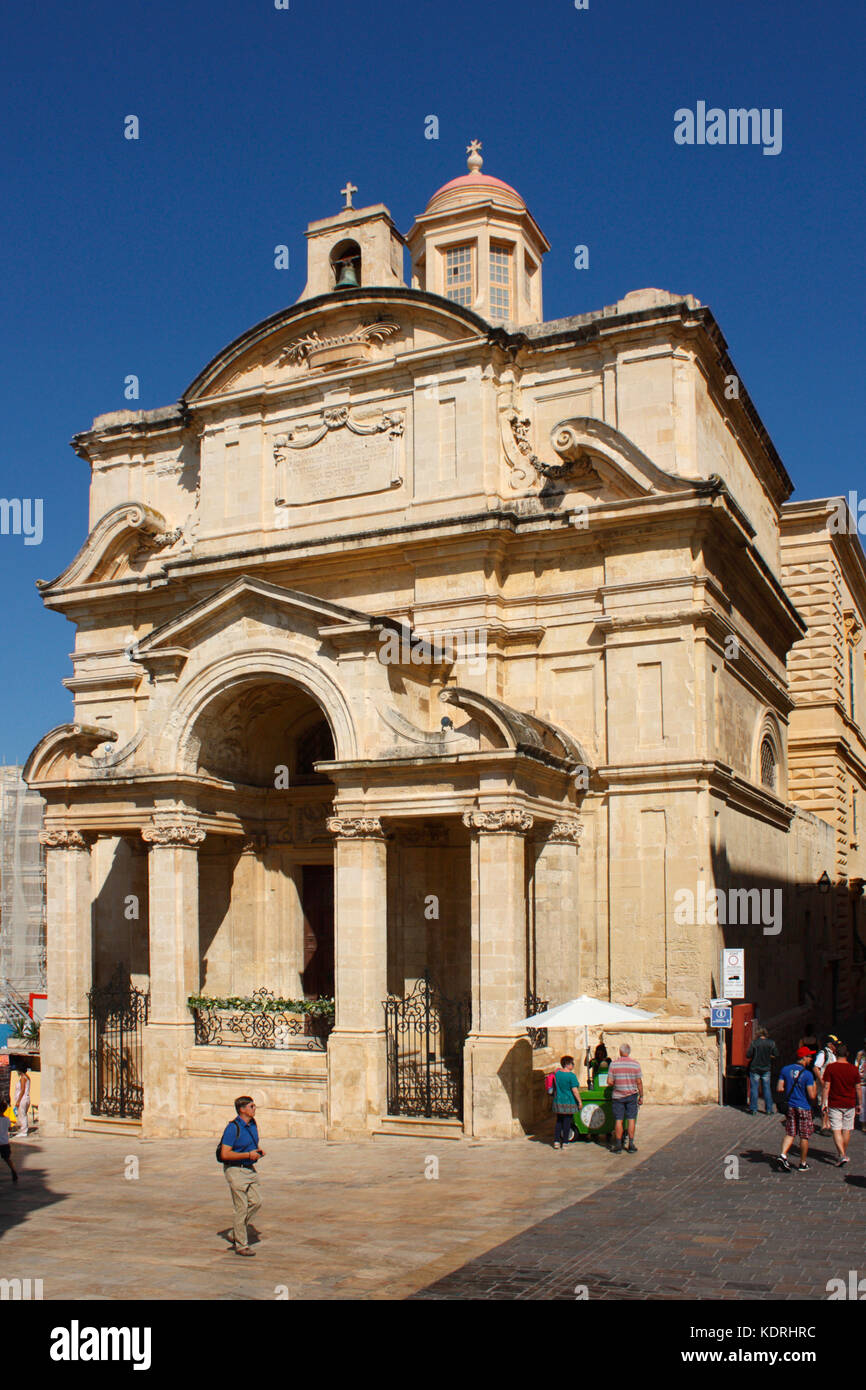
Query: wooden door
[317,897]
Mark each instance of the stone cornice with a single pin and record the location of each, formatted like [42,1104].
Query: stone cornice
[700,775]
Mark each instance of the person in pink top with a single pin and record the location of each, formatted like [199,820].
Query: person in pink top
[627,1081]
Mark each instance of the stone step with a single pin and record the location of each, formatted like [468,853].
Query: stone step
[109,1124]
[417,1127]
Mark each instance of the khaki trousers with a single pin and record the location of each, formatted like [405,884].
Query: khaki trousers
[244,1184]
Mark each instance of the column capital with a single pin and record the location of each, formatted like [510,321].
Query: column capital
[63,837]
[356,827]
[484,822]
[178,832]
[565,832]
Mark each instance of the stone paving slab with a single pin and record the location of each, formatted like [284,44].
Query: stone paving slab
[339,1221]
[677,1228]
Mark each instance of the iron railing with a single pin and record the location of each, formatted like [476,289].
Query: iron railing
[536,1005]
[117,1011]
[425,1032]
[256,1023]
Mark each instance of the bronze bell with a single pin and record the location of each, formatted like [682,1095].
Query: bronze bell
[348,279]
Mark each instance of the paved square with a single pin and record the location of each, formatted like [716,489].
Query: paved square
[338,1221]
[678,1228]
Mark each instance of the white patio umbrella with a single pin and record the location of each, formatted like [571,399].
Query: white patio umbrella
[587,1013]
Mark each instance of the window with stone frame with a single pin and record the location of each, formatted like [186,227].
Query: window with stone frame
[769,764]
[500,282]
[459,278]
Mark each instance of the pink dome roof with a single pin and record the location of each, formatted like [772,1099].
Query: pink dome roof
[460,191]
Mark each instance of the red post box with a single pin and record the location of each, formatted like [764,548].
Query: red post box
[742,1026]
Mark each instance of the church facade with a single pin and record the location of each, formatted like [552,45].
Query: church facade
[430,657]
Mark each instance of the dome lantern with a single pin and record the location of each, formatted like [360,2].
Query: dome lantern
[477,244]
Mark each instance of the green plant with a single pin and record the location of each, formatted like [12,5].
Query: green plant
[255,1004]
[30,1031]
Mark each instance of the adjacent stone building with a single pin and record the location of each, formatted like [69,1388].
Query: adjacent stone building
[423,637]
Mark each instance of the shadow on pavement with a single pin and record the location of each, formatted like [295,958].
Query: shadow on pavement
[29,1194]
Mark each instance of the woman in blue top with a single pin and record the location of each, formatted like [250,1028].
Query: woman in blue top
[566,1099]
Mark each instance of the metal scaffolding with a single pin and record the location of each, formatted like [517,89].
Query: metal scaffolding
[22,886]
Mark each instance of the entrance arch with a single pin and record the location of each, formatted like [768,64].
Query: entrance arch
[266,898]
[245,668]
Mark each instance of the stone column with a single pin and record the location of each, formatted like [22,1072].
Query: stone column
[498,1055]
[557,928]
[174,969]
[63,1041]
[356,1048]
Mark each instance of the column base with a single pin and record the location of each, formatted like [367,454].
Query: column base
[165,1047]
[64,1060]
[497,1086]
[356,1084]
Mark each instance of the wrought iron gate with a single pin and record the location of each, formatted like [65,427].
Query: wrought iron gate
[425,1033]
[117,1011]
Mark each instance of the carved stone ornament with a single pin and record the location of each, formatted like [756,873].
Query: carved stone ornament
[339,349]
[565,832]
[356,828]
[336,418]
[853,627]
[182,834]
[575,464]
[166,538]
[516,822]
[62,838]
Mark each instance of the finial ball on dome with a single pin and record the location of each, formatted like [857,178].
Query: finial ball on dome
[474,162]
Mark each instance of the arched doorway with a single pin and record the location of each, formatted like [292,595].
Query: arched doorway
[266,898]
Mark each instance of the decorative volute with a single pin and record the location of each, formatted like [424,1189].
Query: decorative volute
[477,243]
[358,247]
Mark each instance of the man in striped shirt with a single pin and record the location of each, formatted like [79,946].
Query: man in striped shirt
[627,1081]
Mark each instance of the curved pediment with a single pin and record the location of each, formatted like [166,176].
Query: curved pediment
[586,455]
[524,733]
[55,756]
[352,328]
[108,548]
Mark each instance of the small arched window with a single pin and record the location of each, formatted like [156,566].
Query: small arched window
[769,766]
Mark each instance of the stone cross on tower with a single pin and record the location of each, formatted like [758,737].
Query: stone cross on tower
[347,194]
[474,161]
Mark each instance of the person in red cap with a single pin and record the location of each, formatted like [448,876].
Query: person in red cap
[797,1083]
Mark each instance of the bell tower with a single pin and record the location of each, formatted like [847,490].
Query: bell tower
[358,247]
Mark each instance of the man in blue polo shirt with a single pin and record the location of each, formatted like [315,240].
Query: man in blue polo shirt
[239,1152]
[797,1083]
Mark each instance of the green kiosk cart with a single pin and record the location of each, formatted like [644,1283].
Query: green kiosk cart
[594,1119]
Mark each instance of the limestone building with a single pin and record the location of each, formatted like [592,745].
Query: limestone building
[426,652]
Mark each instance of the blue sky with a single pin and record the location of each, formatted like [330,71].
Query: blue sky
[148,256]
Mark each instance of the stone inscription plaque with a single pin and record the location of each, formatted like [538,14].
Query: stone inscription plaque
[342,463]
